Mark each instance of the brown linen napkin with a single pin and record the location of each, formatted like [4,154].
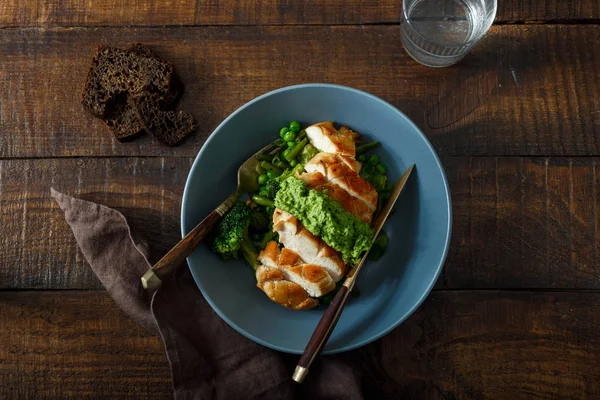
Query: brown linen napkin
[208,359]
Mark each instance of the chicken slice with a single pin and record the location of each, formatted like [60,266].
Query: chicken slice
[312,250]
[354,205]
[342,172]
[326,138]
[281,291]
[313,278]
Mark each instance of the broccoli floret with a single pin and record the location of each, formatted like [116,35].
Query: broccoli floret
[231,236]
[308,152]
[272,187]
[228,235]
[259,220]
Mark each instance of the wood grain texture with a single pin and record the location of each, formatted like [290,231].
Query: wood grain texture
[518,222]
[525,90]
[15,13]
[38,248]
[527,223]
[495,345]
[76,345]
[458,345]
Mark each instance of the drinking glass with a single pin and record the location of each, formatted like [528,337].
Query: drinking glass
[438,33]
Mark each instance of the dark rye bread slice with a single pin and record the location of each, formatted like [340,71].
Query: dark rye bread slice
[115,70]
[118,74]
[169,127]
[121,117]
[175,87]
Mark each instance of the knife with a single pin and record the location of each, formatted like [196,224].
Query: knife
[332,314]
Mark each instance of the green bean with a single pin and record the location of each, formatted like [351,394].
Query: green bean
[361,148]
[263,201]
[267,238]
[280,142]
[296,150]
[259,170]
[373,160]
[301,135]
[379,181]
[267,166]
[293,163]
[381,168]
[265,157]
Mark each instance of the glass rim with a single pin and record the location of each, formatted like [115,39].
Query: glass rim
[468,43]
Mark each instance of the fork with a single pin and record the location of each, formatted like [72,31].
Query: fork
[247,182]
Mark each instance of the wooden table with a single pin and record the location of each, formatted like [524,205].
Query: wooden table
[516,311]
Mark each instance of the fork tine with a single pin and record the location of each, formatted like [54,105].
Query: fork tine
[266,149]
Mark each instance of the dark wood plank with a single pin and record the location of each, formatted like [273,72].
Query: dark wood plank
[518,222]
[516,94]
[15,13]
[523,223]
[39,250]
[495,345]
[459,345]
[76,345]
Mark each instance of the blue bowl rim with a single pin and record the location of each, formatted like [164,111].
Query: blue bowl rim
[448,228]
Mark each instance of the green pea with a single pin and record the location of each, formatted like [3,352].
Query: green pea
[379,181]
[270,175]
[283,131]
[362,158]
[389,186]
[381,168]
[289,137]
[366,174]
[291,144]
[374,159]
[368,169]
[262,179]
[293,163]
[295,126]
[285,152]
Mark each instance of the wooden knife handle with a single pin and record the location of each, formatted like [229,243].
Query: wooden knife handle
[321,334]
[153,278]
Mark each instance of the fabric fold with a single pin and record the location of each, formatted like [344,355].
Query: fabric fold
[208,359]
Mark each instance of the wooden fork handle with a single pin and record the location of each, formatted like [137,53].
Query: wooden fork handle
[153,278]
[321,334]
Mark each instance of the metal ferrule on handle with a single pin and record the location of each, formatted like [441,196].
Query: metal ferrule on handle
[154,277]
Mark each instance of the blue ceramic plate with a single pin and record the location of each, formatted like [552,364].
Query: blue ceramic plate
[419,230]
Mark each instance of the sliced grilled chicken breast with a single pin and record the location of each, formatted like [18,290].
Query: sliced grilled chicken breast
[312,250]
[313,278]
[343,172]
[326,138]
[281,291]
[354,205]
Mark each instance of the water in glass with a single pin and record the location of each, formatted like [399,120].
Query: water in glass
[438,33]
